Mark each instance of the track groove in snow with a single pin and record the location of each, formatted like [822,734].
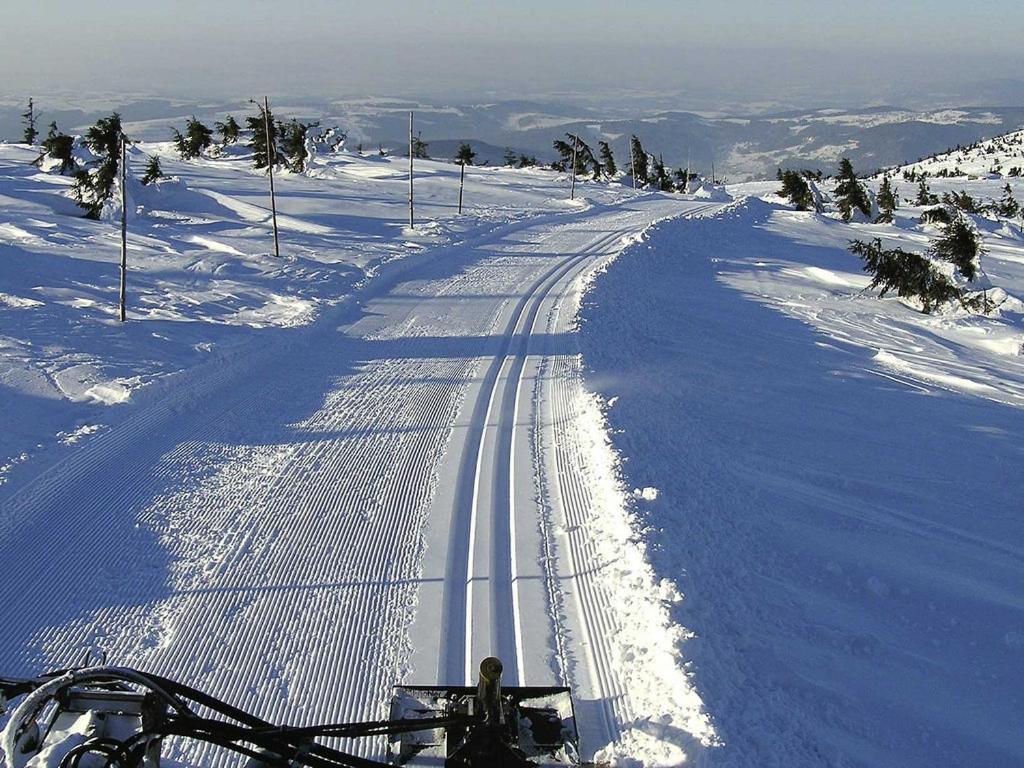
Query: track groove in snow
[351,508]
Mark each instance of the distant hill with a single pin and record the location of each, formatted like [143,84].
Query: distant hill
[1001,156]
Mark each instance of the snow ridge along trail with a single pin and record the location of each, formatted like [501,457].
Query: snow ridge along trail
[384,502]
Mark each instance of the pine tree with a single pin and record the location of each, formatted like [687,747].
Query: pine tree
[887,201]
[607,159]
[59,146]
[1008,207]
[850,193]
[196,139]
[907,274]
[509,158]
[228,130]
[662,180]
[638,161]
[257,125]
[924,195]
[419,148]
[153,170]
[960,244]
[796,189]
[95,185]
[465,154]
[29,118]
[293,144]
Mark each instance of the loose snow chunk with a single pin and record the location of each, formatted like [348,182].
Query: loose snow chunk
[17,302]
[647,494]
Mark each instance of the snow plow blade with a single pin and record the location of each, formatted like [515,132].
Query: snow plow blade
[515,727]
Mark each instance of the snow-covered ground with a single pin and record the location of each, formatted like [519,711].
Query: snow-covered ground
[832,480]
[750,513]
[203,280]
[313,485]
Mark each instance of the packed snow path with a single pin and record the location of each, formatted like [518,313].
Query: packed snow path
[389,500]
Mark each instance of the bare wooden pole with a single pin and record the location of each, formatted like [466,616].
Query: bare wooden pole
[122,302]
[412,221]
[572,189]
[271,159]
[462,182]
[632,160]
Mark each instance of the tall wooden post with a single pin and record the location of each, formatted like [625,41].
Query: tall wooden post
[686,188]
[462,182]
[124,232]
[412,221]
[632,160]
[572,189]
[271,159]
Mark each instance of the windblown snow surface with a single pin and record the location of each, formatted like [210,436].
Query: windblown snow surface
[296,482]
[832,480]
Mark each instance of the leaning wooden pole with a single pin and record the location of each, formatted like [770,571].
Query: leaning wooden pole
[123,300]
[271,158]
[412,220]
[462,182]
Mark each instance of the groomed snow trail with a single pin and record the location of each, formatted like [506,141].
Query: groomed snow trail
[386,501]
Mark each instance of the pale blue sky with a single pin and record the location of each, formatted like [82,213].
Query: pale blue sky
[448,47]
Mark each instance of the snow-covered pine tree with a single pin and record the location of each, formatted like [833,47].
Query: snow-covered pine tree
[228,130]
[850,194]
[59,146]
[887,201]
[638,161]
[465,155]
[293,144]
[662,180]
[419,148]
[924,194]
[1008,206]
[29,119]
[95,185]
[257,125]
[960,244]
[153,170]
[607,159]
[509,158]
[796,189]
[907,274]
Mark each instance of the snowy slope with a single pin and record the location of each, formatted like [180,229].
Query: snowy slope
[202,277]
[372,490]
[1002,156]
[835,485]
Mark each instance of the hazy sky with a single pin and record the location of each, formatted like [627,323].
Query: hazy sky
[450,48]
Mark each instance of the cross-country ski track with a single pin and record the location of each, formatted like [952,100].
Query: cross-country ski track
[385,498]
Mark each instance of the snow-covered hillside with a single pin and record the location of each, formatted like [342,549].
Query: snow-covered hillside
[832,480]
[1002,156]
[203,282]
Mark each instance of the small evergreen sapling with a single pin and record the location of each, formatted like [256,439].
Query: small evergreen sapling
[293,144]
[29,119]
[850,193]
[796,189]
[153,170]
[1008,207]
[196,139]
[95,185]
[607,159]
[960,244]
[465,155]
[59,146]
[419,148]
[257,126]
[638,166]
[887,202]
[228,130]
[908,275]
[924,195]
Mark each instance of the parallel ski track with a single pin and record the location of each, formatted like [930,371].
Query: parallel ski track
[502,626]
[228,493]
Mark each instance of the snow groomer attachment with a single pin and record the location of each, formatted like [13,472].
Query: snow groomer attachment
[515,727]
[112,717]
